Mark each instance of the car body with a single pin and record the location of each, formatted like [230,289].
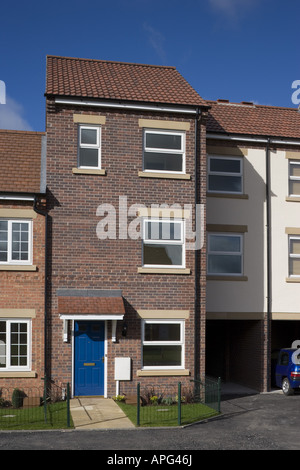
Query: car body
[287,372]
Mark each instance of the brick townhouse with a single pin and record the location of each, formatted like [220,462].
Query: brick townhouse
[22,258]
[253,238]
[127,290]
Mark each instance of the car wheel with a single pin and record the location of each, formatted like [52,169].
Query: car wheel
[286,388]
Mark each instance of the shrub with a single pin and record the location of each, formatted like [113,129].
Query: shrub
[17,398]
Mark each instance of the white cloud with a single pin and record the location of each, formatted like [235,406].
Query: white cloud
[156,39]
[232,9]
[11,116]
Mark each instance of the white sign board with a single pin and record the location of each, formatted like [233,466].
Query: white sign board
[122,368]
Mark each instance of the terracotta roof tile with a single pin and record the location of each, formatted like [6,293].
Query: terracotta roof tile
[247,118]
[91,305]
[67,76]
[20,160]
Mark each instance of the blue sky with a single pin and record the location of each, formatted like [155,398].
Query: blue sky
[241,50]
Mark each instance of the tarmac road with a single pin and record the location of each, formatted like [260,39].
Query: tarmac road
[254,422]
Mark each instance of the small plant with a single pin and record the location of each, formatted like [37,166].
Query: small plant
[154,400]
[17,398]
[119,398]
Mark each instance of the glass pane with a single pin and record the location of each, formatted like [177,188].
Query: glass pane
[88,157]
[225,183]
[294,267]
[89,136]
[162,332]
[162,355]
[162,161]
[163,230]
[224,243]
[294,169]
[224,264]
[295,188]
[163,141]
[3,225]
[223,165]
[169,255]
[2,344]
[295,246]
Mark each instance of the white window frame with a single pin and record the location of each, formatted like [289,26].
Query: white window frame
[150,241]
[9,367]
[10,261]
[164,150]
[180,343]
[293,256]
[90,146]
[221,253]
[225,173]
[293,178]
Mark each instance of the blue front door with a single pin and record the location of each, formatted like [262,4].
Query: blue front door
[89,358]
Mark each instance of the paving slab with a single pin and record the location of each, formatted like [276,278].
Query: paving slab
[98,413]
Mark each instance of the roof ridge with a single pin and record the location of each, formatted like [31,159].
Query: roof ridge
[111,62]
[255,105]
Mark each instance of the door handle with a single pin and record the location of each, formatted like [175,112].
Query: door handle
[102,358]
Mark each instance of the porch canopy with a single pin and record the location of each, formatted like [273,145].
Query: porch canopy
[90,304]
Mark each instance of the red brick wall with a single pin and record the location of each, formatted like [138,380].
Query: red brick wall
[80,260]
[25,290]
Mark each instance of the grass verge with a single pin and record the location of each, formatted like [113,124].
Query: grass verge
[157,415]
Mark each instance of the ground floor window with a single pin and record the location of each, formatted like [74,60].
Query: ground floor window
[163,344]
[14,344]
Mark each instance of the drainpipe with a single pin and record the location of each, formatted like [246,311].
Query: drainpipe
[269,258]
[44,213]
[196,320]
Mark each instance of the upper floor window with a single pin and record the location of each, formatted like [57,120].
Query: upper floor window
[225,175]
[294,178]
[164,151]
[225,254]
[15,241]
[163,243]
[294,256]
[89,152]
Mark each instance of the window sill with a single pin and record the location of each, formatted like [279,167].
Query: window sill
[166,372]
[292,279]
[211,277]
[10,374]
[18,267]
[150,174]
[164,271]
[86,171]
[226,195]
[292,198]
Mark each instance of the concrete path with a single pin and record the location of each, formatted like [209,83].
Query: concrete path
[98,413]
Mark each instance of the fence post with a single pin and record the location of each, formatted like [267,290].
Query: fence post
[219,394]
[179,403]
[68,405]
[138,404]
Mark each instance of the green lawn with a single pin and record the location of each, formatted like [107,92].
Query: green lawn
[166,415]
[34,417]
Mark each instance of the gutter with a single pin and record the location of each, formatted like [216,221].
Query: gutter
[264,140]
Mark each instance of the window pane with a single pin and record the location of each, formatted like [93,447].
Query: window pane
[163,254]
[162,355]
[3,240]
[162,332]
[19,249]
[163,230]
[18,340]
[223,165]
[225,183]
[162,161]
[294,267]
[163,141]
[294,169]
[2,344]
[89,136]
[224,264]
[224,243]
[295,247]
[294,187]
[3,225]
[88,157]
